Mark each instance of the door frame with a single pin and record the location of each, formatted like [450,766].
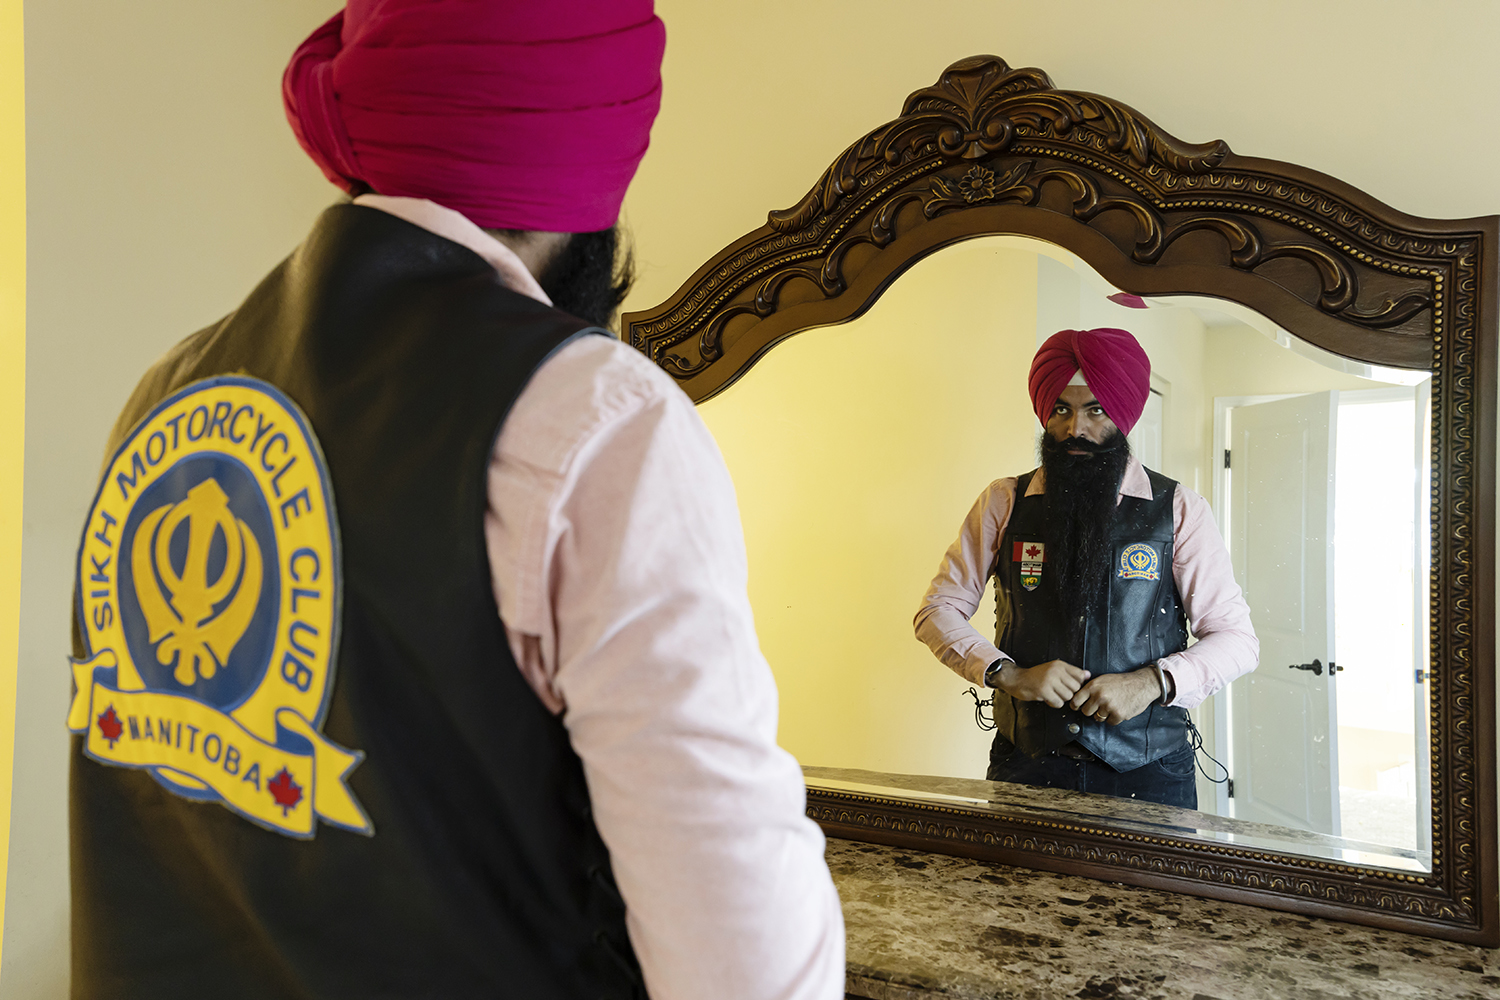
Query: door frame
[1222,406]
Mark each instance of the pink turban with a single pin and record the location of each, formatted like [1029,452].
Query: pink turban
[518,115]
[1112,362]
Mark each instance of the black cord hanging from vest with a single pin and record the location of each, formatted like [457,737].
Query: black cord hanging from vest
[985,723]
[1195,740]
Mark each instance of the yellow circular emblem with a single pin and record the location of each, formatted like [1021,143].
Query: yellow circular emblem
[208,598]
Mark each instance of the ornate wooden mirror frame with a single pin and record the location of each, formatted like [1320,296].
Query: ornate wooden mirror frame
[990,150]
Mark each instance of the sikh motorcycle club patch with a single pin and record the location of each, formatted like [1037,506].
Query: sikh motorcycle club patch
[1030,555]
[1139,562]
[208,595]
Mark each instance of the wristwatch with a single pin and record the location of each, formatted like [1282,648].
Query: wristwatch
[992,672]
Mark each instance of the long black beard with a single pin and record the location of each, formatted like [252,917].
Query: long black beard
[590,276]
[1081,500]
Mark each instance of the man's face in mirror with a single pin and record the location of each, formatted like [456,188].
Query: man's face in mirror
[1077,414]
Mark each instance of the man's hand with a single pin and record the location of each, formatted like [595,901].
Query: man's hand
[1113,698]
[1053,682]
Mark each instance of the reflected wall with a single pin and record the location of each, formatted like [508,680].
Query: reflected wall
[855,452]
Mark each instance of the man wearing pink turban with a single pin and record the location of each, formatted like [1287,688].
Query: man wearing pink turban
[1101,566]
[413,656]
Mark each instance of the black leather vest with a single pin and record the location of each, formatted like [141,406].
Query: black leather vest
[486,876]
[1144,621]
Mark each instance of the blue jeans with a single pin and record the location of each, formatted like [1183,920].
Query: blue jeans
[1170,780]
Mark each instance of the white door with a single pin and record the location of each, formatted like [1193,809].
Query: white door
[1284,722]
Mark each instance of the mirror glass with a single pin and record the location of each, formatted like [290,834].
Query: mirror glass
[858,450]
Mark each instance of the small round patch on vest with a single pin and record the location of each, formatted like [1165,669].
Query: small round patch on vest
[1139,562]
[208,598]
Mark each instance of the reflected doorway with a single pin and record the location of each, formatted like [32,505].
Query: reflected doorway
[1372,783]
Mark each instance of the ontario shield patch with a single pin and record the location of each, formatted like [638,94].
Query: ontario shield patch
[208,599]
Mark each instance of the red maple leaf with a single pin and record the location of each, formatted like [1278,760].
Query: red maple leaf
[284,790]
[109,726]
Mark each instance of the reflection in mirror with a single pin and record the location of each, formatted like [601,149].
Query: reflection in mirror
[857,452]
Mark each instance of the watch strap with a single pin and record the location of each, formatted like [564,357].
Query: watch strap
[992,672]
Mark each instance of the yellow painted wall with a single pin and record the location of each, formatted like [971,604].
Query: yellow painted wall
[12,384]
[856,452]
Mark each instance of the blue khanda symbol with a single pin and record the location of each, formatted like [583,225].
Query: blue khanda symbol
[182,621]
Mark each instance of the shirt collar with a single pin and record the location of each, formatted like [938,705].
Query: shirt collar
[451,225]
[1135,483]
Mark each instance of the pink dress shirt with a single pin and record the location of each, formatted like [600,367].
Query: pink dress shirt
[619,568]
[1217,614]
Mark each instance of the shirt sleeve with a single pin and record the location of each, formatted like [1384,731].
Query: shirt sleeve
[942,621]
[1226,645]
[648,646]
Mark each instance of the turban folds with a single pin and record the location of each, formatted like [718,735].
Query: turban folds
[518,115]
[1112,363]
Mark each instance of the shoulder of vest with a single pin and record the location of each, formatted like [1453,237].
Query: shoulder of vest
[350,240]
[356,256]
[356,243]
[1160,485]
[169,373]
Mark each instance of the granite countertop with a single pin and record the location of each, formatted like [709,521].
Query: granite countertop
[928,925]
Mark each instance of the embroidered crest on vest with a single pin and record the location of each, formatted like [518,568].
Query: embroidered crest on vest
[1031,556]
[1139,562]
[208,598]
